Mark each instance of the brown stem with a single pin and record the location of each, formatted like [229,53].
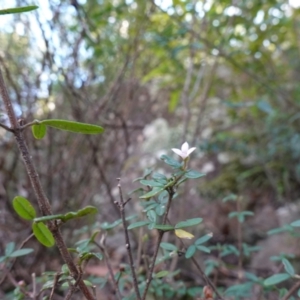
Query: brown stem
[293,289]
[121,206]
[42,200]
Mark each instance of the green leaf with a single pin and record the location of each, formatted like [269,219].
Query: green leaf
[159,176]
[161,274]
[188,223]
[138,224]
[296,223]
[73,126]
[194,174]
[190,251]
[17,10]
[43,234]
[9,248]
[163,227]
[203,239]
[171,161]
[21,252]
[23,208]
[152,193]
[203,249]
[39,131]
[288,267]
[277,278]
[151,183]
[151,215]
[160,209]
[107,226]
[231,197]
[80,213]
[168,246]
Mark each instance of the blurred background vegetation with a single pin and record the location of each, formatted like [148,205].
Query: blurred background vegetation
[220,74]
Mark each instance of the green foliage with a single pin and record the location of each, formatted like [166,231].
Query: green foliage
[18,10]
[43,234]
[39,131]
[11,253]
[23,208]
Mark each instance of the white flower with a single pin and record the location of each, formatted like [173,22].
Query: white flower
[185,150]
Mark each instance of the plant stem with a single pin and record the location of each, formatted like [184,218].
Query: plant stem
[127,241]
[42,200]
[159,239]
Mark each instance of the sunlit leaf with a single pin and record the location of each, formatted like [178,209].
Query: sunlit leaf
[182,234]
[18,10]
[43,234]
[39,131]
[23,208]
[73,126]
[161,274]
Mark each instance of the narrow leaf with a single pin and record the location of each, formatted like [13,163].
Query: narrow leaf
[17,10]
[23,208]
[203,249]
[73,126]
[288,267]
[151,183]
[277,278]
[165,227]
[43,234]
[203,239]
[188,223]
[190,251]
[80,213]
[9,248]
[21,252]
[152,193]
[39,131]
[168,246]
[138,224]
[161,274]
[194,174]
[296,223]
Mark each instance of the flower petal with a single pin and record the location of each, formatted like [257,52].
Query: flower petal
[185,147]
[178,152]
[191,150]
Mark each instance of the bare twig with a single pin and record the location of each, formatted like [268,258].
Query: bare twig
[293,289]
[55,282]
[121,206]
[102,247]
[6,127]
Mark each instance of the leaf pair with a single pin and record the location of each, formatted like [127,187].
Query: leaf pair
[26,211]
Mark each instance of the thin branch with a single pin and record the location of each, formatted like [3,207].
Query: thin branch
[6,127]
[293,289]
[121,206]
[159,239]
[42,199]
[101,246]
